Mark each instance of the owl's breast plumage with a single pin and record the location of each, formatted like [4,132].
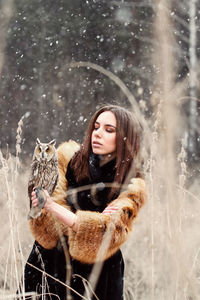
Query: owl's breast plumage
[45,175]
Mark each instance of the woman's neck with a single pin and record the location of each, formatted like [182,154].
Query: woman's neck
[106,158]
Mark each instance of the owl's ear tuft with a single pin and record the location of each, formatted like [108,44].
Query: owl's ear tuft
[53,142]
[38,141]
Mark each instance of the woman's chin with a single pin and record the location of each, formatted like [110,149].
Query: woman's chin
[97,151]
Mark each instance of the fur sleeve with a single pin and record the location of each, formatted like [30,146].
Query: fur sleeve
[99,236]
[46,229]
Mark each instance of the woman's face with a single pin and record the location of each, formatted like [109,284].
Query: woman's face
[103,140]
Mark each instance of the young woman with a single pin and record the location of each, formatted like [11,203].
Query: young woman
[97,220]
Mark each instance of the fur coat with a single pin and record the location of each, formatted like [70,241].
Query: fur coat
[99,236]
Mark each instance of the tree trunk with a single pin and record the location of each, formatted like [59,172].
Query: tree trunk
[192,78]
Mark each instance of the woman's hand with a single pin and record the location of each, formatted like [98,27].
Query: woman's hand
[34,198]
[110,209]
[48,199]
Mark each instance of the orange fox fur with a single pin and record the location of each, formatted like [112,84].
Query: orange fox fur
[98,236]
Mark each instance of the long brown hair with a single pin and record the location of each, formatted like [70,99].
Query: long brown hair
[127,146]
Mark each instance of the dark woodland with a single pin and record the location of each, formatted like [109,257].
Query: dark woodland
[40,39]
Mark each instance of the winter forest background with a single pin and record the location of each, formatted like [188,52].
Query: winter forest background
[61,60]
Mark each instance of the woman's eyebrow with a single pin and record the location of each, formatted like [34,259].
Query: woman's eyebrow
[110,125]
[106,125]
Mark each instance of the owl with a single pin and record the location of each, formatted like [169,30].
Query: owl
[44,174]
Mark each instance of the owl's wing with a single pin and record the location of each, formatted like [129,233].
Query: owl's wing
[55,183]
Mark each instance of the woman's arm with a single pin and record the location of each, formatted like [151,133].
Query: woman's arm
[94,236]
[59,212]
[100,235]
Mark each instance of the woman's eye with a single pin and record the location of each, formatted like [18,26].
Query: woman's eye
[110,130]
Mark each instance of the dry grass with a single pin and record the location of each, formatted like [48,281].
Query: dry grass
[162,254]
[16,240]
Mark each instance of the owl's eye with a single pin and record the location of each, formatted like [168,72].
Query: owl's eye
[39,149]
[47,149]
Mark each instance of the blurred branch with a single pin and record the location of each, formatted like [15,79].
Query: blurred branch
[119,83]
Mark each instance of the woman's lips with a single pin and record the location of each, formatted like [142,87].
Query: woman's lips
[96,144]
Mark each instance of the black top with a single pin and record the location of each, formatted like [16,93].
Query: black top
[110,282]
[96,197]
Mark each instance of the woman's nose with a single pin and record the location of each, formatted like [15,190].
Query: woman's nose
[98,132]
